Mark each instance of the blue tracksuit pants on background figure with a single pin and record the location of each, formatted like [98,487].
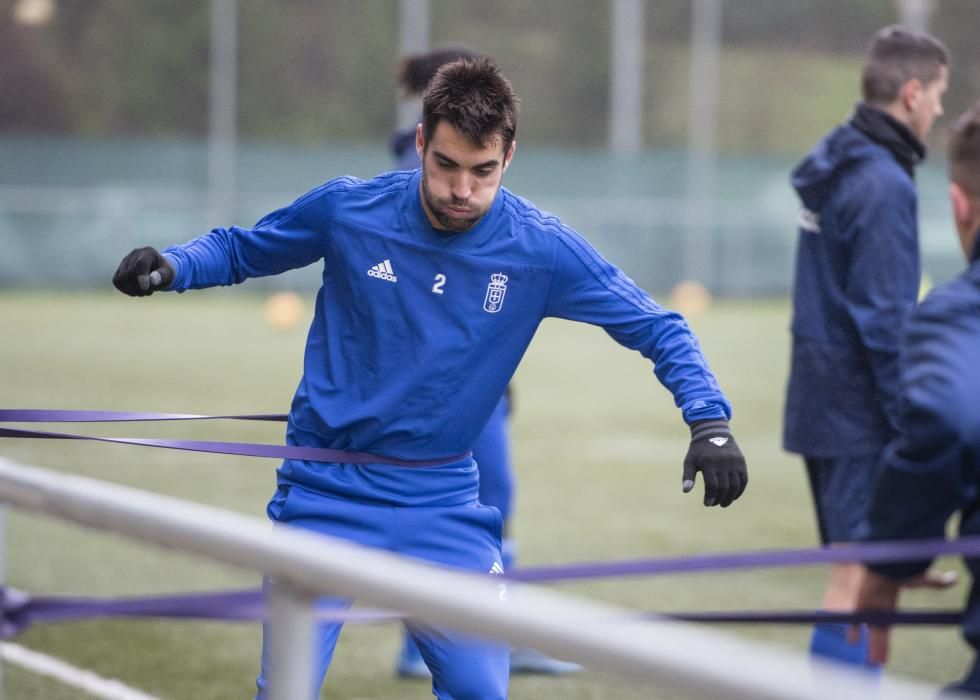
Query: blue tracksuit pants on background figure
[463,536]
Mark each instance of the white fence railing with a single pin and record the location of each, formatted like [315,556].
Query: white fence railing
[306,565]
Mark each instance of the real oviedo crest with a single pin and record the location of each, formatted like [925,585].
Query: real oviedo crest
[495,293]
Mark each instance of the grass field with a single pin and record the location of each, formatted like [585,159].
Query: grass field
[598,448]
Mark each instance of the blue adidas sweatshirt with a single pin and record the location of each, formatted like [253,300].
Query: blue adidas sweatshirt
[416,333]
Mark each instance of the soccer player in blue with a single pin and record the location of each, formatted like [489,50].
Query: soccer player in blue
[856,282]
[434,283]
[932,468]
[491,451]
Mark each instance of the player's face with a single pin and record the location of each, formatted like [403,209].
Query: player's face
[930,105]
[459,180]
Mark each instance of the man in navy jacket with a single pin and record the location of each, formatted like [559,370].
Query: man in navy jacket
[932,469]
[856,282]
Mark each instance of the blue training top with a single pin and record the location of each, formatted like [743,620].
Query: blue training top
[416,332]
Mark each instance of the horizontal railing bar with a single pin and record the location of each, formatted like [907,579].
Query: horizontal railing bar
[601,636]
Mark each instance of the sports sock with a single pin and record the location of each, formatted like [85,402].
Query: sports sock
[829,641]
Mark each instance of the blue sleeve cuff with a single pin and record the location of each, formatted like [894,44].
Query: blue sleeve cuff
[174,287]
[700,410]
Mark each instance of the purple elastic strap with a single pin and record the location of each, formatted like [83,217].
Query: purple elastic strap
[813,617]
[18,611]
[244,449]
[867,552]
[31,415]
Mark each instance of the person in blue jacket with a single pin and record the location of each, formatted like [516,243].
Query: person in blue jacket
[434,282]
[492,450]
[932,468]
[856,282]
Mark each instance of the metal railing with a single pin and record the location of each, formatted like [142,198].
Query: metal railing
[306,566]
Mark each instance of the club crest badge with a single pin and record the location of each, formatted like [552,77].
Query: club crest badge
[495,293]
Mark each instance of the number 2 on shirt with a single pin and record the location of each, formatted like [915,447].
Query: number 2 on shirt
[440,282]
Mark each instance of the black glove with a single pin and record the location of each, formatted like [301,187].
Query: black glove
[713,452]
[142,272]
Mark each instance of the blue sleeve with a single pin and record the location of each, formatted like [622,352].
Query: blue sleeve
[589,289]
[286,239]
[931,469]
[883,273]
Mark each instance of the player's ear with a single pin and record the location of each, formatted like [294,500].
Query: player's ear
[911,94]
[509,156]
[966,213]
[419,140]
[962,205]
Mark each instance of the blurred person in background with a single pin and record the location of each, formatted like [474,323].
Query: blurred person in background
[492,450]
[856,282]
[932,468]
[435,281]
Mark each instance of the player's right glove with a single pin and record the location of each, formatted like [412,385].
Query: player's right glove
[713,452]
[142,272]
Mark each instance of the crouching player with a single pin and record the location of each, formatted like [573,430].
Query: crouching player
[434,282]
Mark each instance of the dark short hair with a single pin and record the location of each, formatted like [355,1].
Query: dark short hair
[475,98]
[415,71]
[964,151]
[897,55]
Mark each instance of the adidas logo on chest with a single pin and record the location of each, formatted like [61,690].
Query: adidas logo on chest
[383,271]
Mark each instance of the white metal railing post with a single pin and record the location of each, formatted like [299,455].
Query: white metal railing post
[292,631]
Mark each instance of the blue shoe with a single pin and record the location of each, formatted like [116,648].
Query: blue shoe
[410,661]
[529,661]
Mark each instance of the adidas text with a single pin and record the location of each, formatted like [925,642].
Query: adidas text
[383,271]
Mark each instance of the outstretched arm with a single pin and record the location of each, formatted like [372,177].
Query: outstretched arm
[286,239]
[589,289]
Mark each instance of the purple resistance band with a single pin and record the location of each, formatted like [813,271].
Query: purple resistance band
[866,552]
[38,415]
[244,449]
[18,610]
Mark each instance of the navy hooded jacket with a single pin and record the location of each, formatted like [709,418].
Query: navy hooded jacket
[933,468]
[856,282]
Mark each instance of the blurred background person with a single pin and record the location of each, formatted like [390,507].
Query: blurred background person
[492,450]
[932,469]
[856,282]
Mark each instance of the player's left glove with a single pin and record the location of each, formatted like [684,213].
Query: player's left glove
[713,452]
